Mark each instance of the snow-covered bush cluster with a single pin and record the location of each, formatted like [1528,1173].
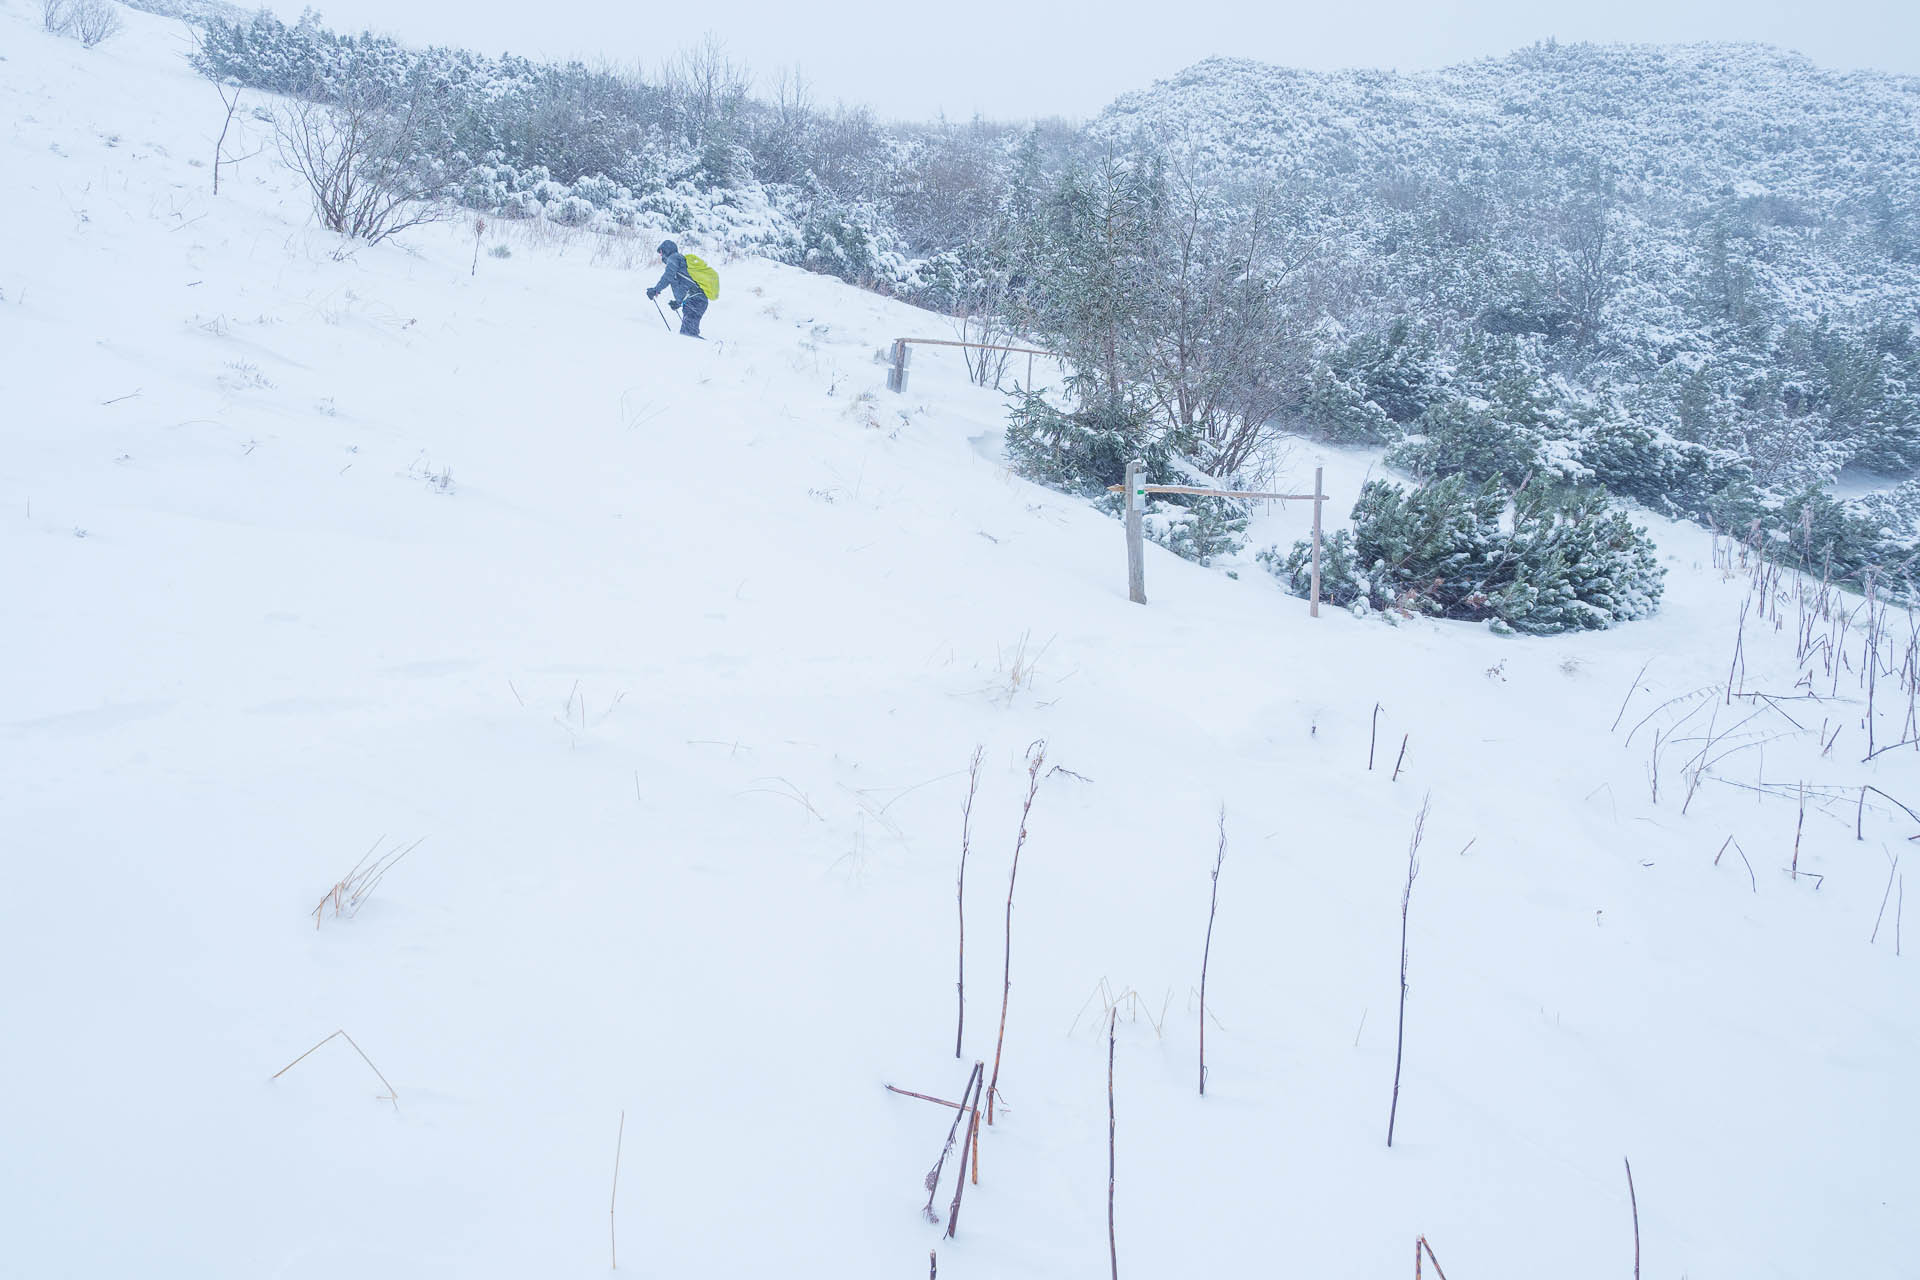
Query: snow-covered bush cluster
[1684,273]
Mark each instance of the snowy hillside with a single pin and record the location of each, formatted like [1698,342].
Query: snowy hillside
[666,661]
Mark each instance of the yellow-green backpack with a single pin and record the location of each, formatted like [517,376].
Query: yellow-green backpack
[705,276]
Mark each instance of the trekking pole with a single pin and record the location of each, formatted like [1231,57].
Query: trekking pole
[662,315]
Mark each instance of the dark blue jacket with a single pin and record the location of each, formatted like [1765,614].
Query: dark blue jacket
[675,277]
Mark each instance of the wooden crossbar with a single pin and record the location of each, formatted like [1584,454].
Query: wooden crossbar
[1136,540]
[1224,493]
[984,346]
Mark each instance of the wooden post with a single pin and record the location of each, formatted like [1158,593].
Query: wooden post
[1136,551]
[897,375]
[1319,498]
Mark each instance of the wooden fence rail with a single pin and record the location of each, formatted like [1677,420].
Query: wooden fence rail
[1137,493]
[897,371]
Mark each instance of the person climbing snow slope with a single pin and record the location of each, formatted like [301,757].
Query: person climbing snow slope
[694,285]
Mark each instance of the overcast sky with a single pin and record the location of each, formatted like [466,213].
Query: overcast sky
[1021,58]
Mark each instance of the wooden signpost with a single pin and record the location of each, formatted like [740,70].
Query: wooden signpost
[1137,493]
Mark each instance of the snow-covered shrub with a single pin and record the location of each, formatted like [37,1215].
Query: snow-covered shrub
[1672,476]
[1470,438]
[571,211]
[1577,564]
[1193,528]
[1085,451]
[1080,452]
[1341,581]
[1564,561]
[1370,389]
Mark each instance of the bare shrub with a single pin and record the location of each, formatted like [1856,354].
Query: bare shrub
[94,22]
[91,22]
[364,160]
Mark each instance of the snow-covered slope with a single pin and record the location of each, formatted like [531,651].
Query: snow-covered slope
[672,656]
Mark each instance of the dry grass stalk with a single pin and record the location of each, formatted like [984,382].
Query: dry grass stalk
[1635,1201]
[1206,952]
[1798,827]
[1406,903]
[391,1095]
[1036,757]
[1631,690]
[973,1143]
[1893,866]
[953,1130]
[1421,1246]
[1402,759]
[960,893]
[613,1245]
[351,891]
[926,1097]
[1751,881]
[1113,1250]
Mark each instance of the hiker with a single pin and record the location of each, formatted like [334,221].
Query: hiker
[690,295]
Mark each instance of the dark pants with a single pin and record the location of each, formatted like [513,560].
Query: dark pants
[691,310]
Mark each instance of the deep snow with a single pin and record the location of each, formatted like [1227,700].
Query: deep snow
[674,655]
